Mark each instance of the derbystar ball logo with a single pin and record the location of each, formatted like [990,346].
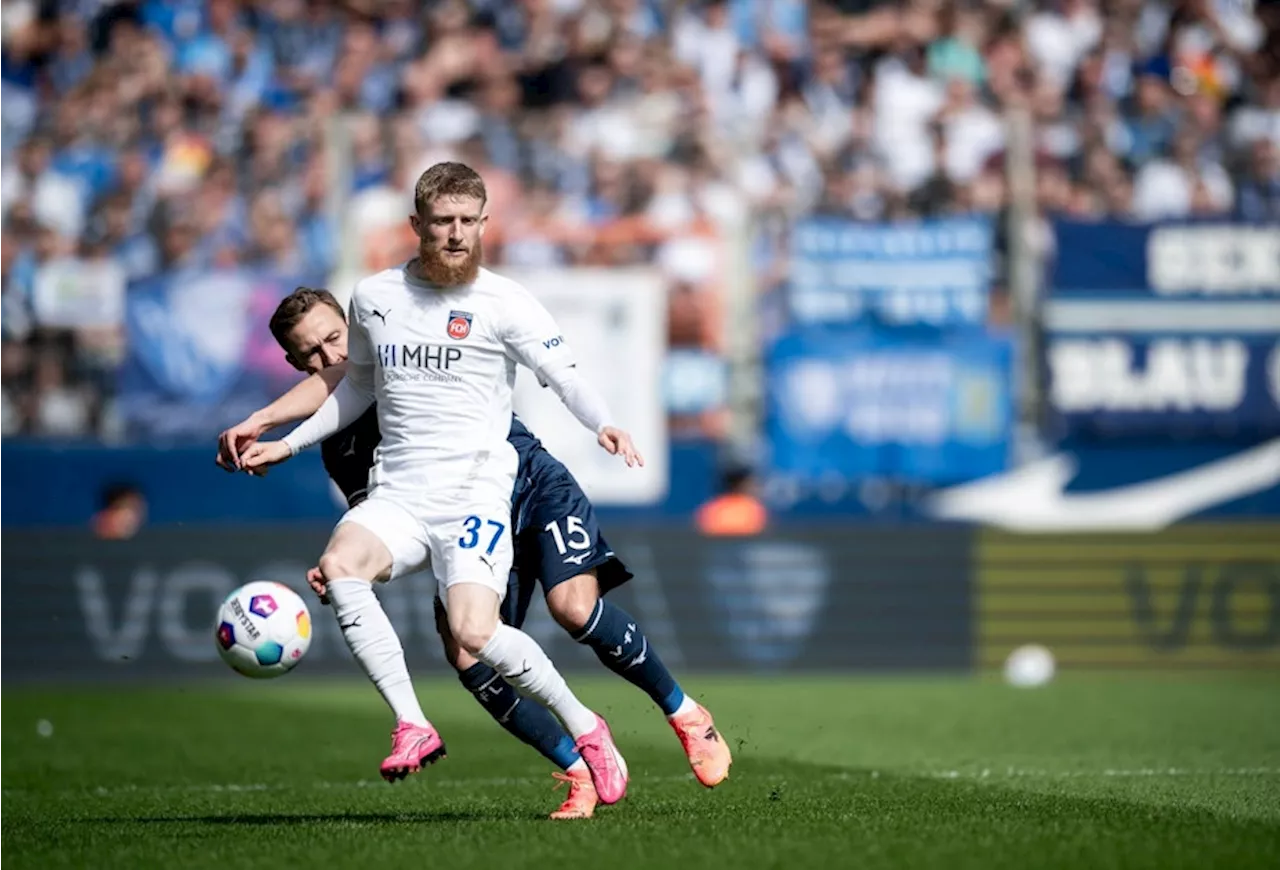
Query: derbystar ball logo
[246,622]
[459,324]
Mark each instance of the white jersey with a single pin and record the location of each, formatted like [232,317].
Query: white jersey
[441,363]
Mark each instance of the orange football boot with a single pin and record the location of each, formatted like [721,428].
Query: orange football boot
[582,799]
[704,745]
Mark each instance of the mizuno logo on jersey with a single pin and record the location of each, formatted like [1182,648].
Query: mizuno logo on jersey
[422,356]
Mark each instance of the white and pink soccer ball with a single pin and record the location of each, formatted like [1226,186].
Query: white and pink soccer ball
[263,630]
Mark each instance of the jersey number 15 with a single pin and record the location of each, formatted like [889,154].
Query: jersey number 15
[577,537]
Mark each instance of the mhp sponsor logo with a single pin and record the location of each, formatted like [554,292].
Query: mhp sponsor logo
[422,356]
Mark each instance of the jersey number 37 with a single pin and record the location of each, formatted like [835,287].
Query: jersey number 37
[472,537]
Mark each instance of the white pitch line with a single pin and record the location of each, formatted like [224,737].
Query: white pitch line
[983,774]
[1025,772]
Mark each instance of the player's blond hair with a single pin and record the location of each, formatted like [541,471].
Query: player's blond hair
[447,179]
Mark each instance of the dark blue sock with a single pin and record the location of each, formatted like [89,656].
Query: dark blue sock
[618,641]
[526,719]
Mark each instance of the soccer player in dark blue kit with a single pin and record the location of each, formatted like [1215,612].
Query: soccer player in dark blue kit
[558,543]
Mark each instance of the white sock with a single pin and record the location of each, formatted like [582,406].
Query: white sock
[577,767]
[375,644]
[524,665]
[686,706]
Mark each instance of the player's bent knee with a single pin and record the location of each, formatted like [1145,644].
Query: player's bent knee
[572,602]
[339,563]
[355,551]
[472,632]
[473,639]
[473,615]
[459,659]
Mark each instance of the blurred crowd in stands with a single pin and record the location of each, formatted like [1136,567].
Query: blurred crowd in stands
[155,137]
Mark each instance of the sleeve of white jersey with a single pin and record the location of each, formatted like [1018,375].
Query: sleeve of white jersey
[360,359]
[532,338]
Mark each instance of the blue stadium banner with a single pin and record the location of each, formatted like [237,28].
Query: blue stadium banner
[1164,329]
[913,404]
[200,356]
[933,273]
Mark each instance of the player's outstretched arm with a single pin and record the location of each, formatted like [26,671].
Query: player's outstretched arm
[533,339]
[344,405]
[586,404]
[351,398]
[618,442]
[300,402]
[304,398]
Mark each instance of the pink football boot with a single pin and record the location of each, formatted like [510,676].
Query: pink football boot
[413,747]
[608,769]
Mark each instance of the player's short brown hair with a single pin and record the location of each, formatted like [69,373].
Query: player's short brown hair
[295,306]
[447,179]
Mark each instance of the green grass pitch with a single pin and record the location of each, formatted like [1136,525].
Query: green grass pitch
[1091,772]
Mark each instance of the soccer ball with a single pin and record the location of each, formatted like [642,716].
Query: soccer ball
[263,630]
[1029,666]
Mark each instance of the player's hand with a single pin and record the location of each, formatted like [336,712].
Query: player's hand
[316,581]
[618,442]
[234,441]
[262,455]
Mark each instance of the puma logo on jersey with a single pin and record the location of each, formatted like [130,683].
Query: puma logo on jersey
[380,315]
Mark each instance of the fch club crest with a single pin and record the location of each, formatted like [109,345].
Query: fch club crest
[459,324]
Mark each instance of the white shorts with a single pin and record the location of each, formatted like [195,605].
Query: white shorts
[458,545]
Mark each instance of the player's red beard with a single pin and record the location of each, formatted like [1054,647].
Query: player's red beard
[443,273]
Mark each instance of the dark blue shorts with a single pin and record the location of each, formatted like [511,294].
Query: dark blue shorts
[558,538]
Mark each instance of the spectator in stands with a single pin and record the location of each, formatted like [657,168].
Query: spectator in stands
[1181,184]
[199,135]
[122,513]
[736,511]
[1259,198]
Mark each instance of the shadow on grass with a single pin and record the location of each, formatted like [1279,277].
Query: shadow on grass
[293,819]
[770,814]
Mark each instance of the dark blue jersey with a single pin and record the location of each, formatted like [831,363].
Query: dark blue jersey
[348,456]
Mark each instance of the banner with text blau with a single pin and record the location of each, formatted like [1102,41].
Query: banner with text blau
[914,405]
[932,273]
[200,356]
[1164,330]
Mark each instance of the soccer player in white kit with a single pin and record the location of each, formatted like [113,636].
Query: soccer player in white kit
[435,342]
